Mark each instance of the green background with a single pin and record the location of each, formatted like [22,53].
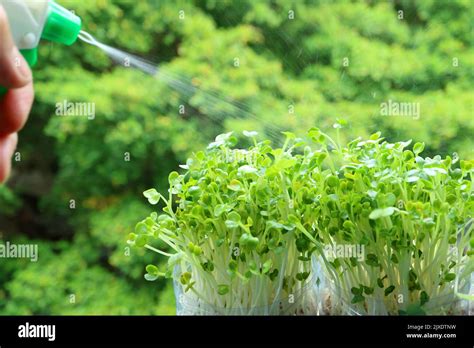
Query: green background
[423,54]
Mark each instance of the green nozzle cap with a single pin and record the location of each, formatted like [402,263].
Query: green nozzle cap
[62,26]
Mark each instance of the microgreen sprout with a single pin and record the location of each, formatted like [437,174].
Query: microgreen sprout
[412,215]
[238,222]
[247,229]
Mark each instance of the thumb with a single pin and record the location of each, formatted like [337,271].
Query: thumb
[14,70]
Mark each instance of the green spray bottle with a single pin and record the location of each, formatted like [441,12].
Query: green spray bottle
[32,20]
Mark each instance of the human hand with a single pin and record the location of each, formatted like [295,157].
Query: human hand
[15,105]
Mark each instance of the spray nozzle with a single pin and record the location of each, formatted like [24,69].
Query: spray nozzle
[31,20]
[62,26]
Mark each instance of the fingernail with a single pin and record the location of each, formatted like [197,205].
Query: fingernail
[21,64]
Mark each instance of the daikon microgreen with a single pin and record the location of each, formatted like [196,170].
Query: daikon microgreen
[413,215]
[236,222]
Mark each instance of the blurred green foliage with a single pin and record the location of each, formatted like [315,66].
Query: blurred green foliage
[265,65]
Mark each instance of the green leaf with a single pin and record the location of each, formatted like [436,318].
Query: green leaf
[235,185]
[152,269]
[412,179]
[390,199]
[246,169]
[358,298]
[348,225]
[219,209]
[418,148]
[185,278]
[267,266]
[250,134]
[253,267]
[173,178]
[353,261]
[249,241]
[233,220]
[389,290]
[302,243]
[273,274]
[380,213]
[450,277]
[141,240]
[332,181]
[225,139]
[423,298]
[368,290]
[289,135]
[372,260]
[152,195]
[394,258]
[194,191]
[284,163]
[222,289]
[234,216]
[197,250]
[151,277]
[375,136]
[451,199]
[233,265]
[208,266]
[141,228]
[302,276]
[149,221]
[293,219]
[412,275]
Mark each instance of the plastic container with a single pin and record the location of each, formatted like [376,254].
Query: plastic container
[336,300]
[305,301]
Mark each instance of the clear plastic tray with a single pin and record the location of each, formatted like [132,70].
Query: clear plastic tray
[305,301]
[335,301]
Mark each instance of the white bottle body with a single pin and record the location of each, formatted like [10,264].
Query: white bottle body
[27,19]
